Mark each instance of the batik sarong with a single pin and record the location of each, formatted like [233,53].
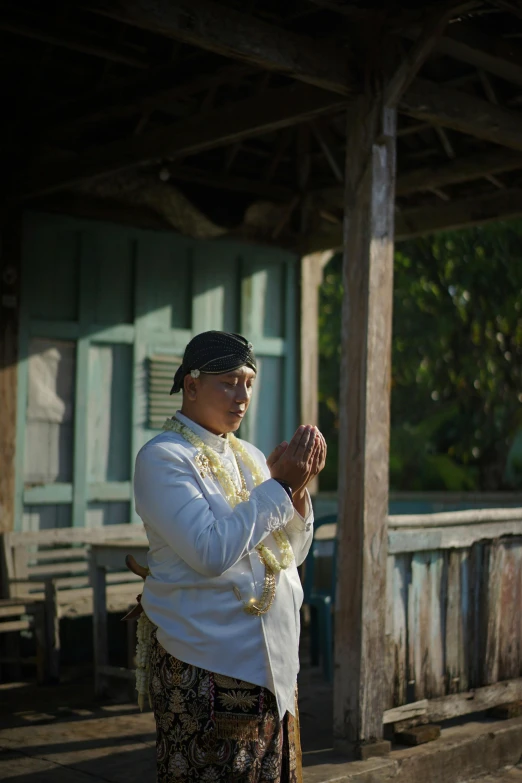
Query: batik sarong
[216,729]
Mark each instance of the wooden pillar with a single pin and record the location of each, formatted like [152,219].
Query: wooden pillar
[312,267]
[10,264]
[364,428]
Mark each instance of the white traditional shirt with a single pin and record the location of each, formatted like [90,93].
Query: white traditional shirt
[201,549]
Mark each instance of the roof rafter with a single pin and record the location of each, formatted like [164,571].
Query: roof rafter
[449,215]
[217,28]
[425,100]
[275,109]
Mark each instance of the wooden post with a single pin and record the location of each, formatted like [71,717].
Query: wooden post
[98,576]
[312,267]
[10,265]
[360,681]
[52,631]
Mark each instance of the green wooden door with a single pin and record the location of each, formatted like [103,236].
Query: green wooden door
[99,300]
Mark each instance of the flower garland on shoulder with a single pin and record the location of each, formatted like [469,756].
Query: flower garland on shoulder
[209,463]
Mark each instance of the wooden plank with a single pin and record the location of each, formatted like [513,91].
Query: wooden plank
[406,712]
[453,631]
[418,625]
[71,535]
[435,652]
[10,272]
[63,553]
[453,215]
[15,625]
[508,609]
[487,208]
[50,493]
[52,629]
[397,601]
[425,100]
[109,490]
[220,29]
[290,390]
[276,109]
[468,44]
[99,623]
[491,609]
[312,267]
[360,677]
[427,38]
[477,700]
[458,537]
[441,519]
[460,170]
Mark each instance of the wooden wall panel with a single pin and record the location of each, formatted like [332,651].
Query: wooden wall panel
[52,256]
[453,619]
[109,413]
[215,289]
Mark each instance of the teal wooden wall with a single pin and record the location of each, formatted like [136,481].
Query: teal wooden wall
[97,301]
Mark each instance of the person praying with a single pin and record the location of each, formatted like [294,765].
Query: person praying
[227,529]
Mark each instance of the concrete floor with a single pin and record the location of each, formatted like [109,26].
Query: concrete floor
[61,734]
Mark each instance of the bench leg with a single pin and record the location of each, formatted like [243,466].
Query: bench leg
[52,632]
[100,640]
[41,647]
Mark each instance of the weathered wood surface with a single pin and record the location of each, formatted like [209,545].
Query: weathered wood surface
[276,109]
[311,276]
[460,615]
[360,656]
[426,101]
[10,268]
[217,28]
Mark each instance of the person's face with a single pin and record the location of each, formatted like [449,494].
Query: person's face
[219,402]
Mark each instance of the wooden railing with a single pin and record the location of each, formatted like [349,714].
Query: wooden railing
[454,612]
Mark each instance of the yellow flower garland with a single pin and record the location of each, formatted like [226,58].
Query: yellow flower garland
[209,461]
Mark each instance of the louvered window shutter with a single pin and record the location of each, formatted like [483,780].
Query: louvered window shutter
[161,373]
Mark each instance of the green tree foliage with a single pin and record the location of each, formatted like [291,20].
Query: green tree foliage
[457,360]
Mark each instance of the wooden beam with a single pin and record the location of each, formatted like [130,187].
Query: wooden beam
[490,207]
[499,205]
[460,170]
[312,268]
[328,146]
[267,190]
[466,43]
[426,101]
[360,660]
[10,287]
[215,27]
[276,109]
[74,39]
[161,90]
[441,175]
[428,36]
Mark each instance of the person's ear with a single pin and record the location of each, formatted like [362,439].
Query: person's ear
[190,387]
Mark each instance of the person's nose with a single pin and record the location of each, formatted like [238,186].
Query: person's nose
[242,394]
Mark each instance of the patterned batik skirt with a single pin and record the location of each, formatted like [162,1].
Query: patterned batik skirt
[212,729]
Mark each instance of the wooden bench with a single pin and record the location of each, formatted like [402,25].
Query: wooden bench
[18,615]
[52,567]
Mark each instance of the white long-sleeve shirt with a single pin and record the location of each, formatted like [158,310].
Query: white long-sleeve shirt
[201,549]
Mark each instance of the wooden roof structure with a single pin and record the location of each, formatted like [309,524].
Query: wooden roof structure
[308,124]
[230,118]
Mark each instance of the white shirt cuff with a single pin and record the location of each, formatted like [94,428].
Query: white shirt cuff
[299,524]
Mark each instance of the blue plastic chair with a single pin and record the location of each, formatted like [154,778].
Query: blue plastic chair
[320,599]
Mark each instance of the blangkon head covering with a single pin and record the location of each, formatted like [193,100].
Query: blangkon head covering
[216,353]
